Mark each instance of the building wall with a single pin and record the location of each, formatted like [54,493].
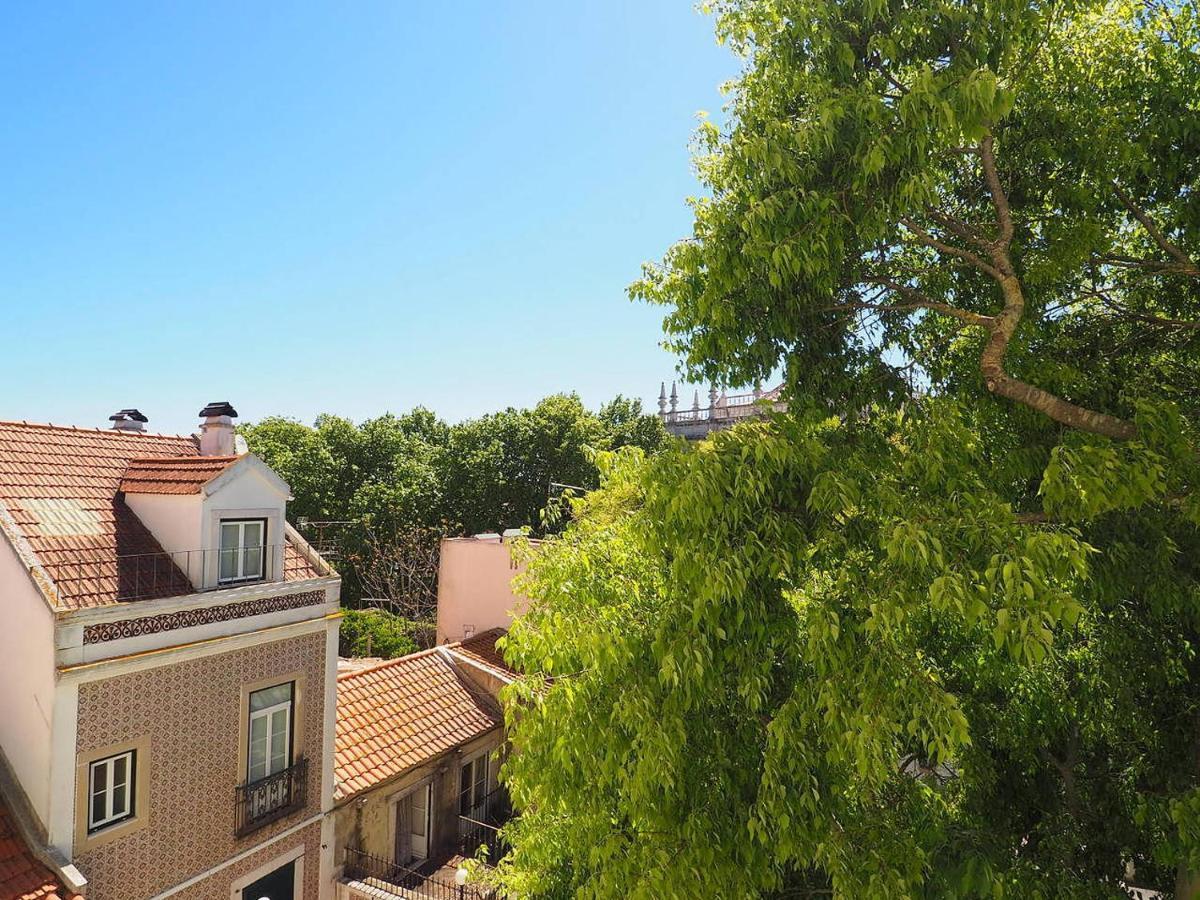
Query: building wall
[190,713]
[475,588]
[174,520]
[367,822]
[227,882]
[26,680]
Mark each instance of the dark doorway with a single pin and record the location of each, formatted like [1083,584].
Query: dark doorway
[279,885]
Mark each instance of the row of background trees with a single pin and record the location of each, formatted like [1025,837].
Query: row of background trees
[397,484]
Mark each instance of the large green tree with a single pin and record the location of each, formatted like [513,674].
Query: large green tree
[933,633]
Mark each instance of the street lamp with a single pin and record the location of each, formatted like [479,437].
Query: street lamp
[460,878]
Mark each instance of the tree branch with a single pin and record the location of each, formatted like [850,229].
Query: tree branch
[917,300]
[942,247]
[1004,326]
[1183,263]
[1004,218]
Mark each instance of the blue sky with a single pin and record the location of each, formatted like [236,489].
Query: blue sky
[352,207]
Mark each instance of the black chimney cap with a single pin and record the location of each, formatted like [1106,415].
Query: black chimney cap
[219,408]
[122,415]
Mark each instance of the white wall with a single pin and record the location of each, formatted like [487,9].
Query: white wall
[174,520]
[26,680]
[475,588]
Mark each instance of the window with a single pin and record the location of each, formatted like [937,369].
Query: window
[270,738]
[110,790]
[243,542]
[473,787]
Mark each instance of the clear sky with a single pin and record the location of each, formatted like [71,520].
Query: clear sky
[344,207]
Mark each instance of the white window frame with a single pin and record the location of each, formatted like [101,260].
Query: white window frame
[240,550]
[286,706]
[110,790]
[476,798]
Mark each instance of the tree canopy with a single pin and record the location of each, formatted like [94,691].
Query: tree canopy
[932,633]
[401,480]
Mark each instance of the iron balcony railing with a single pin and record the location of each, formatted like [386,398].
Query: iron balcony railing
[169,573]
[410,884]
[479,827]
[259,803]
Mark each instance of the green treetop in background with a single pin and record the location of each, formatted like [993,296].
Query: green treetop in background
[402,481]
[932,634]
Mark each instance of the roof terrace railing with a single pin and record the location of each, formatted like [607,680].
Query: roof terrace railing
[402,881]
[169,573]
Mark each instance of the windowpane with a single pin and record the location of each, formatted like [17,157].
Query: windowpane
[420,810]
[252,536]
[99,808]
[228,564]
[480,779]
[258,748]
[120,766]
[464,790]
[272,696]
[230,535]
[252,562]
[119,802]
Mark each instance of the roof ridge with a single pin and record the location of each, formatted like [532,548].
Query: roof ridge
[345,676]
[183,459]
[116,432]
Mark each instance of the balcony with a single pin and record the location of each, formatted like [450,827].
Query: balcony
[269,799]
[430,881]
[480,828]
[434,879]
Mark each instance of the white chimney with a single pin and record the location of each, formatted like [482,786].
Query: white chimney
[217,437]
[128,420]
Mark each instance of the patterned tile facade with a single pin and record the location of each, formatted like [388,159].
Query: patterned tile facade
[191,713]
[217,887]
[204,615]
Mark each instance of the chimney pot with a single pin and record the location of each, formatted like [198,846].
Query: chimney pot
[128,420]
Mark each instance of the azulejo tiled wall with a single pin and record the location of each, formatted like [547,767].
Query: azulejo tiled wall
[204,615]
[191,713]
[217,887]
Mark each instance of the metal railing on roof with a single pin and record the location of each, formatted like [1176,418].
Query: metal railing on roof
[169,573]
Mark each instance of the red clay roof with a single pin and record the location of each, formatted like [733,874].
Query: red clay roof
[61,486]
[402,713]
[481,649]
[173,474]
[22,875]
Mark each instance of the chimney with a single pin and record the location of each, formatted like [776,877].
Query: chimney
[128,420]
[216,431]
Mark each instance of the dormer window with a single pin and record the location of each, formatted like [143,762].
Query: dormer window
[243,546]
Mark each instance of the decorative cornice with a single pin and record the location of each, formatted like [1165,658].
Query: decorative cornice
[204,615]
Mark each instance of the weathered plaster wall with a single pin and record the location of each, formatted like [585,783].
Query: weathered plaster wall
[367,822]
[475,588]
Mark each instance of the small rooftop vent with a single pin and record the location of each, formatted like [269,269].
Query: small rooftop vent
[128,420]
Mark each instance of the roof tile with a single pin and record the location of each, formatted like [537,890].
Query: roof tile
[63,488]
[22,875]
[401,713]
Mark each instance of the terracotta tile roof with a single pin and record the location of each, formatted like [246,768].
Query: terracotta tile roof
[61,488]
[22,875]
[405,712]
[481,649]
[173,474]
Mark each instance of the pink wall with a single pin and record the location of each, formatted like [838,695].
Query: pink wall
[475,588]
